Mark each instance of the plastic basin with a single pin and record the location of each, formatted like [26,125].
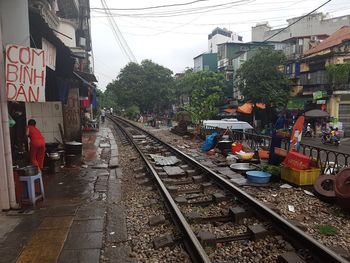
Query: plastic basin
[258,177]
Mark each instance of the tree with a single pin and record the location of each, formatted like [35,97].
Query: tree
[205,92]
[261,81]
[147,86]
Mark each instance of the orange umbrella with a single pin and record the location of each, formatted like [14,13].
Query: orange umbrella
[230,110]
[260,105]
[246,108]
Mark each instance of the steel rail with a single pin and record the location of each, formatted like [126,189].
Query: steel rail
[192,244]
[299,239]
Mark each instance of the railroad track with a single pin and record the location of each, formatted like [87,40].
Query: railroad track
[216,219]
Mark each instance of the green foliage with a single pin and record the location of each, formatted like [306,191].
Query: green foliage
[148,86]
[326,230]
[338,74]
[183,87]
[272,169]
[205,91]
[132,112]
[182,116]
[260,80]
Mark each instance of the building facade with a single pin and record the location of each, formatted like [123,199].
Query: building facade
[311,25]
[221,35]
[325,77]
[205,61]
[44,31]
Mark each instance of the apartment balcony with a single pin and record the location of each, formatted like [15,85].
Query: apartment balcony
[68,9]
[47,10]
[341,88]
[314,78]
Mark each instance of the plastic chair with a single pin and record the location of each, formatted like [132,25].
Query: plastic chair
[30,187]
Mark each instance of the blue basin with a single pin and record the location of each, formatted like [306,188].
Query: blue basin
[258,177]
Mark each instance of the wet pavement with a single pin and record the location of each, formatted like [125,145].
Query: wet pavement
[70,224]
[344,146]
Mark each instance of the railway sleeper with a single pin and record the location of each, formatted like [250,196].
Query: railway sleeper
[254,232]
[189,191]
[206,185]
[145,182]
[239,213]
[165,241]
[170,181]
[219,197]
[290,257]
[202,202]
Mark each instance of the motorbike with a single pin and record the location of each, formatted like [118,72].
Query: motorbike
[328,138]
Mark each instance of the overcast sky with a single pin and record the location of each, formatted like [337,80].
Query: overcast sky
[173,41]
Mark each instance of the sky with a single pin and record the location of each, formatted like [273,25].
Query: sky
[173,36]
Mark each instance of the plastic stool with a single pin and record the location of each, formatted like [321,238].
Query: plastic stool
[30,187]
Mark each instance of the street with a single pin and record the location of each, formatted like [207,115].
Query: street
[335,157]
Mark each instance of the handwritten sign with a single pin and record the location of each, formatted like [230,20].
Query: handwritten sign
[50,54]
[25,74]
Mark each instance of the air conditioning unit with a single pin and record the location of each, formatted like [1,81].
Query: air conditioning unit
[82,42]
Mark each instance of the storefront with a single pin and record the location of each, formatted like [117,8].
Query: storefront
[340,110]
[40,91]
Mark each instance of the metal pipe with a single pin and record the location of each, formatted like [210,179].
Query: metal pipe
[6,137]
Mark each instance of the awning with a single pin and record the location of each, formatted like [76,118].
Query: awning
[316,113]
[230,110]
[233,124]
[87,76]
[83,80]
[246,108]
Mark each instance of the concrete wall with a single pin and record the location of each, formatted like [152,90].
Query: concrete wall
[215,40]
[315,24]
[47,116]
[68,33]
[198,63]
[14,22]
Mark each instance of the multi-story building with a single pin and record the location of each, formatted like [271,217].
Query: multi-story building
[205,61]
[47,31]
[232,55]
[222,35]
[299,38]
[311,25]
[331,94]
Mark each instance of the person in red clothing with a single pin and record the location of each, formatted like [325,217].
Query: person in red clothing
[37,145]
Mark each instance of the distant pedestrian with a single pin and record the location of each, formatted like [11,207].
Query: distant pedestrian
[37,145]
[103,115]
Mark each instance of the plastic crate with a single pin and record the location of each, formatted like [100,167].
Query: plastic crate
[300,177]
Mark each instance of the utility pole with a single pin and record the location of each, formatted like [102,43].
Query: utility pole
[7,188]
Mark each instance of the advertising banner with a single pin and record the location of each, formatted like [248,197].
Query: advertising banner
[25,74]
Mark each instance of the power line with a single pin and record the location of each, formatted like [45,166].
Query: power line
[151,7]
[181,12]
[296,21]
[118,34]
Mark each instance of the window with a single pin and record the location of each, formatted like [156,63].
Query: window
[240,38]
[300,41]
